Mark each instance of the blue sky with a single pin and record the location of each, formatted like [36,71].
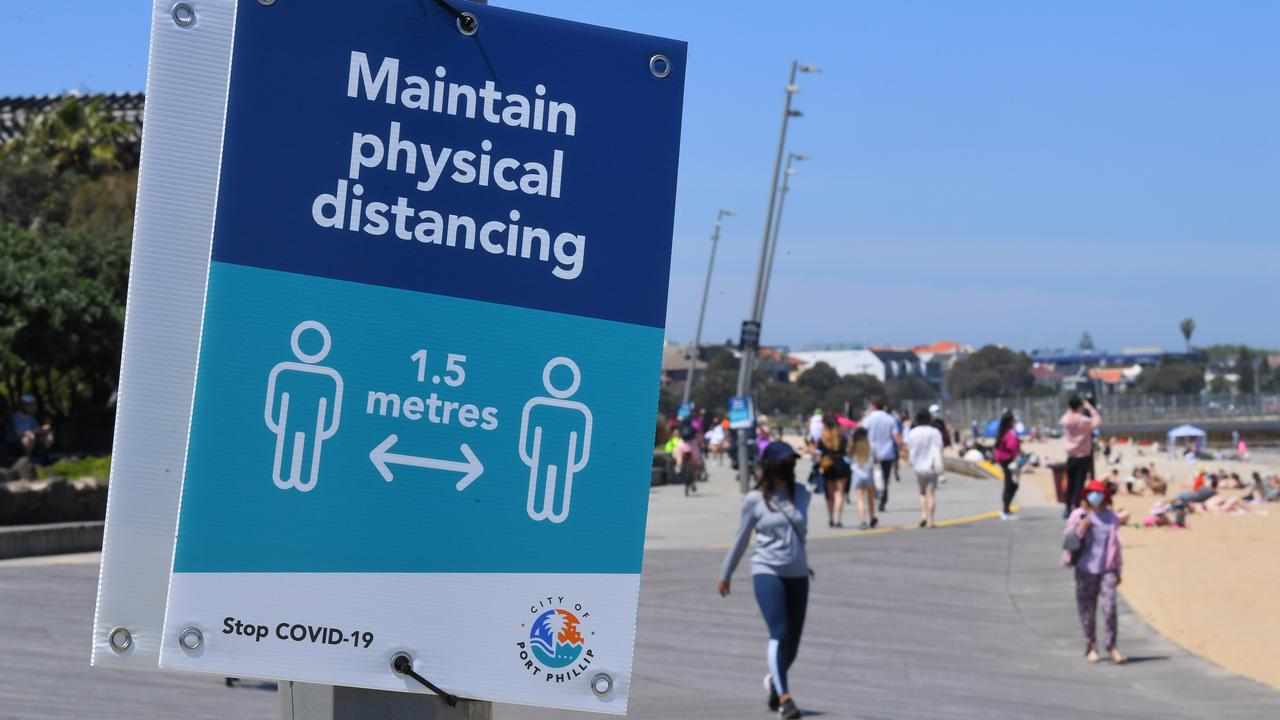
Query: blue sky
[981,171]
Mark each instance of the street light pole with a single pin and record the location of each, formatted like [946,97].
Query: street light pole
[702,314]
[777,225]
[749,349]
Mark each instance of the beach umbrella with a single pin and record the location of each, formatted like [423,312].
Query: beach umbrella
[991,428]
[846,423]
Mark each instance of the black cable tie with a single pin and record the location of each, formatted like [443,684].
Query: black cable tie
[404,666]
[449,6]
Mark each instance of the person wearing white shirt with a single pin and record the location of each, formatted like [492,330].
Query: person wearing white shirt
[815,427]
[924,449]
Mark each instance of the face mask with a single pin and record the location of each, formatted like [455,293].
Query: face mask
[1095,498]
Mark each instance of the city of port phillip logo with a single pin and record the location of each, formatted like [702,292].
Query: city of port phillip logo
[554,642]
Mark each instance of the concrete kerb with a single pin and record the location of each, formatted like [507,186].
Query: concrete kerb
[19,541]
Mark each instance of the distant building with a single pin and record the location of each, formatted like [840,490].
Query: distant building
[1146,357]
[939,358]
[1114,380]
[845,362]
[675,363]
[900,364]
[1048,376]
[779,364]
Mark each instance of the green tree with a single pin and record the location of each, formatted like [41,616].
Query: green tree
[1172,378]
[44,166]
[819,379]
[789,399]
[1188,328]
[911,387]
[1270,380]
[76,137]
[1220,385]
[720,358]
[668,400]
[61,321]
[991,372]
[852,393]
[1245,370]
[714,388]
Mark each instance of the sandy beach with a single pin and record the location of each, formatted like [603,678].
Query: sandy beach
[1209,587]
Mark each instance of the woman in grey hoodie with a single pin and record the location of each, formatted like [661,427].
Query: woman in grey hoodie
[778,511]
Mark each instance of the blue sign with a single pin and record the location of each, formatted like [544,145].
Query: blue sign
[684,411]
[742,414]
[432,335]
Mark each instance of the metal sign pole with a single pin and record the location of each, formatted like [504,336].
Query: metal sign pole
[303,701]
[702,314]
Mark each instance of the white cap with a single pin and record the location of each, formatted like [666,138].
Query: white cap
[935,409]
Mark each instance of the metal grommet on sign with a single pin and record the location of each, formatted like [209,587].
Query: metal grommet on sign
[660,66]
[120,639]
[467,23]
[267,3]
[184,15]
[601,684]
[190,638]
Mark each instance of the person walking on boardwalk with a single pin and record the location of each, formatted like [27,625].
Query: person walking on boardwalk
[924,451]
[1008,450]
[863,467]
[689,459]
[834,468]
[883,432]
[778,511]
[1092,545]
[1078,425]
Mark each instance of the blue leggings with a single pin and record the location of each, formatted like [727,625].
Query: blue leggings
[782,601]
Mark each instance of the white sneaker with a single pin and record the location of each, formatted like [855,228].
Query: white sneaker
[1005,516]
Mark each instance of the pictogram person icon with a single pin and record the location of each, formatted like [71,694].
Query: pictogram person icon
[555,443]
[304,404]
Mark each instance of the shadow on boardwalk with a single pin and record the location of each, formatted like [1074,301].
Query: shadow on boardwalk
[973,621]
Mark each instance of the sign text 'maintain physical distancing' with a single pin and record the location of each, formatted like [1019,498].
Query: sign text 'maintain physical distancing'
[423,403]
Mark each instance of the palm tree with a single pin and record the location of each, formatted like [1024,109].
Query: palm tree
[75,136]
[1188,327]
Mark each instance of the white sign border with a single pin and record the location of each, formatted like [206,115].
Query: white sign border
[188,74]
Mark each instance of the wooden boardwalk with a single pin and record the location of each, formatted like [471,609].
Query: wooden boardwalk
[972,621]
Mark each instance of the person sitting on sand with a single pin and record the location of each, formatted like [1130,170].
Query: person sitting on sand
[1155,481]
[1262,491]
[1133,483]
[1199,493]
[1233,481]
[1224,504]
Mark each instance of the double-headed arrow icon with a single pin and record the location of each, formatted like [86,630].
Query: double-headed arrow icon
[382,458]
